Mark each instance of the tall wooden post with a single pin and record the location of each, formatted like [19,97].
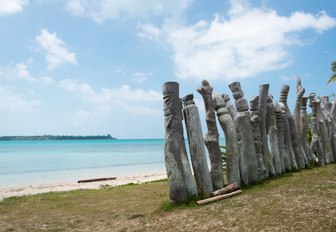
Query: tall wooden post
[289,157]
[255,126]
[296,115]
[273,136]
[196,145]
[229,106]
[211,138]
[316,144]
[230,132]
[173,137]
[281,135]
[190,183]
[333,117]
[248,160]
[262,111]
[326,129]
[304,131]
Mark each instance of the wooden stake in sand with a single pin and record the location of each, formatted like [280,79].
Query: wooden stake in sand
[96,179]
[217,198]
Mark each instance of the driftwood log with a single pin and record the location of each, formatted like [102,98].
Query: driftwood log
[217,198]
[211,138]
[96,179]
[227,189]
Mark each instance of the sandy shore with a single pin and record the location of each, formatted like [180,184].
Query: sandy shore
[61,187]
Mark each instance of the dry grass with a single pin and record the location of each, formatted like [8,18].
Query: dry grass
[301,201]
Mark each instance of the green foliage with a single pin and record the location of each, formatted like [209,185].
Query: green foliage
[224,153]
[333,74]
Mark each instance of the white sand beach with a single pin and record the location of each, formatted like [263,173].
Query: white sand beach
[61,187]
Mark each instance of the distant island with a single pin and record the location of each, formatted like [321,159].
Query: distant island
[55,137]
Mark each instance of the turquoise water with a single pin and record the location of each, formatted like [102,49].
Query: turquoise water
[24,163]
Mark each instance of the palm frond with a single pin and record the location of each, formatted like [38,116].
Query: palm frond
[332,78]
[333,66]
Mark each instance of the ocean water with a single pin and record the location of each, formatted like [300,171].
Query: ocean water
[24,163]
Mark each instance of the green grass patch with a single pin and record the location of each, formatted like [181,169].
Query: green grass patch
[299,201]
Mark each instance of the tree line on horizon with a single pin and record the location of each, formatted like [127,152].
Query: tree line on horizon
[56,137]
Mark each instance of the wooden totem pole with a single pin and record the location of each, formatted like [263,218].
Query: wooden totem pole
[279,116]
[262,111]
[248,157]
[173,137]
[255,126]
[229,129]
[316,144]
[211,138]
[302,160]
[289,157]
[304,131]
[273,136]
[196,146]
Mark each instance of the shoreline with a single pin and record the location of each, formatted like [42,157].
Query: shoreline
[64,187]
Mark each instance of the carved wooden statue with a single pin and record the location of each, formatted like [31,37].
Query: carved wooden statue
[248,158]
[255,126]
[316,144]
[196,145]
[173,137]
[289,158]
[211,138]
[273,136]
[190,183]
[262,111]
[298,152]
[326,128]
[230,107]
[304,131]
[333,117]
[229,129]
[279,116]
[296,115]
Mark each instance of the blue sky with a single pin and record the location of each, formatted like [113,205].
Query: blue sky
[82,67]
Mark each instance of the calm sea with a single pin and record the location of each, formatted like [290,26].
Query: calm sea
[24,163]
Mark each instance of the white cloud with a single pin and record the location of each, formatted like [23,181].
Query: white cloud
[136,101]
[55,49]
[246,42]
[15,102]
[20,71]
[11,6]
[102,10]
[140,76]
